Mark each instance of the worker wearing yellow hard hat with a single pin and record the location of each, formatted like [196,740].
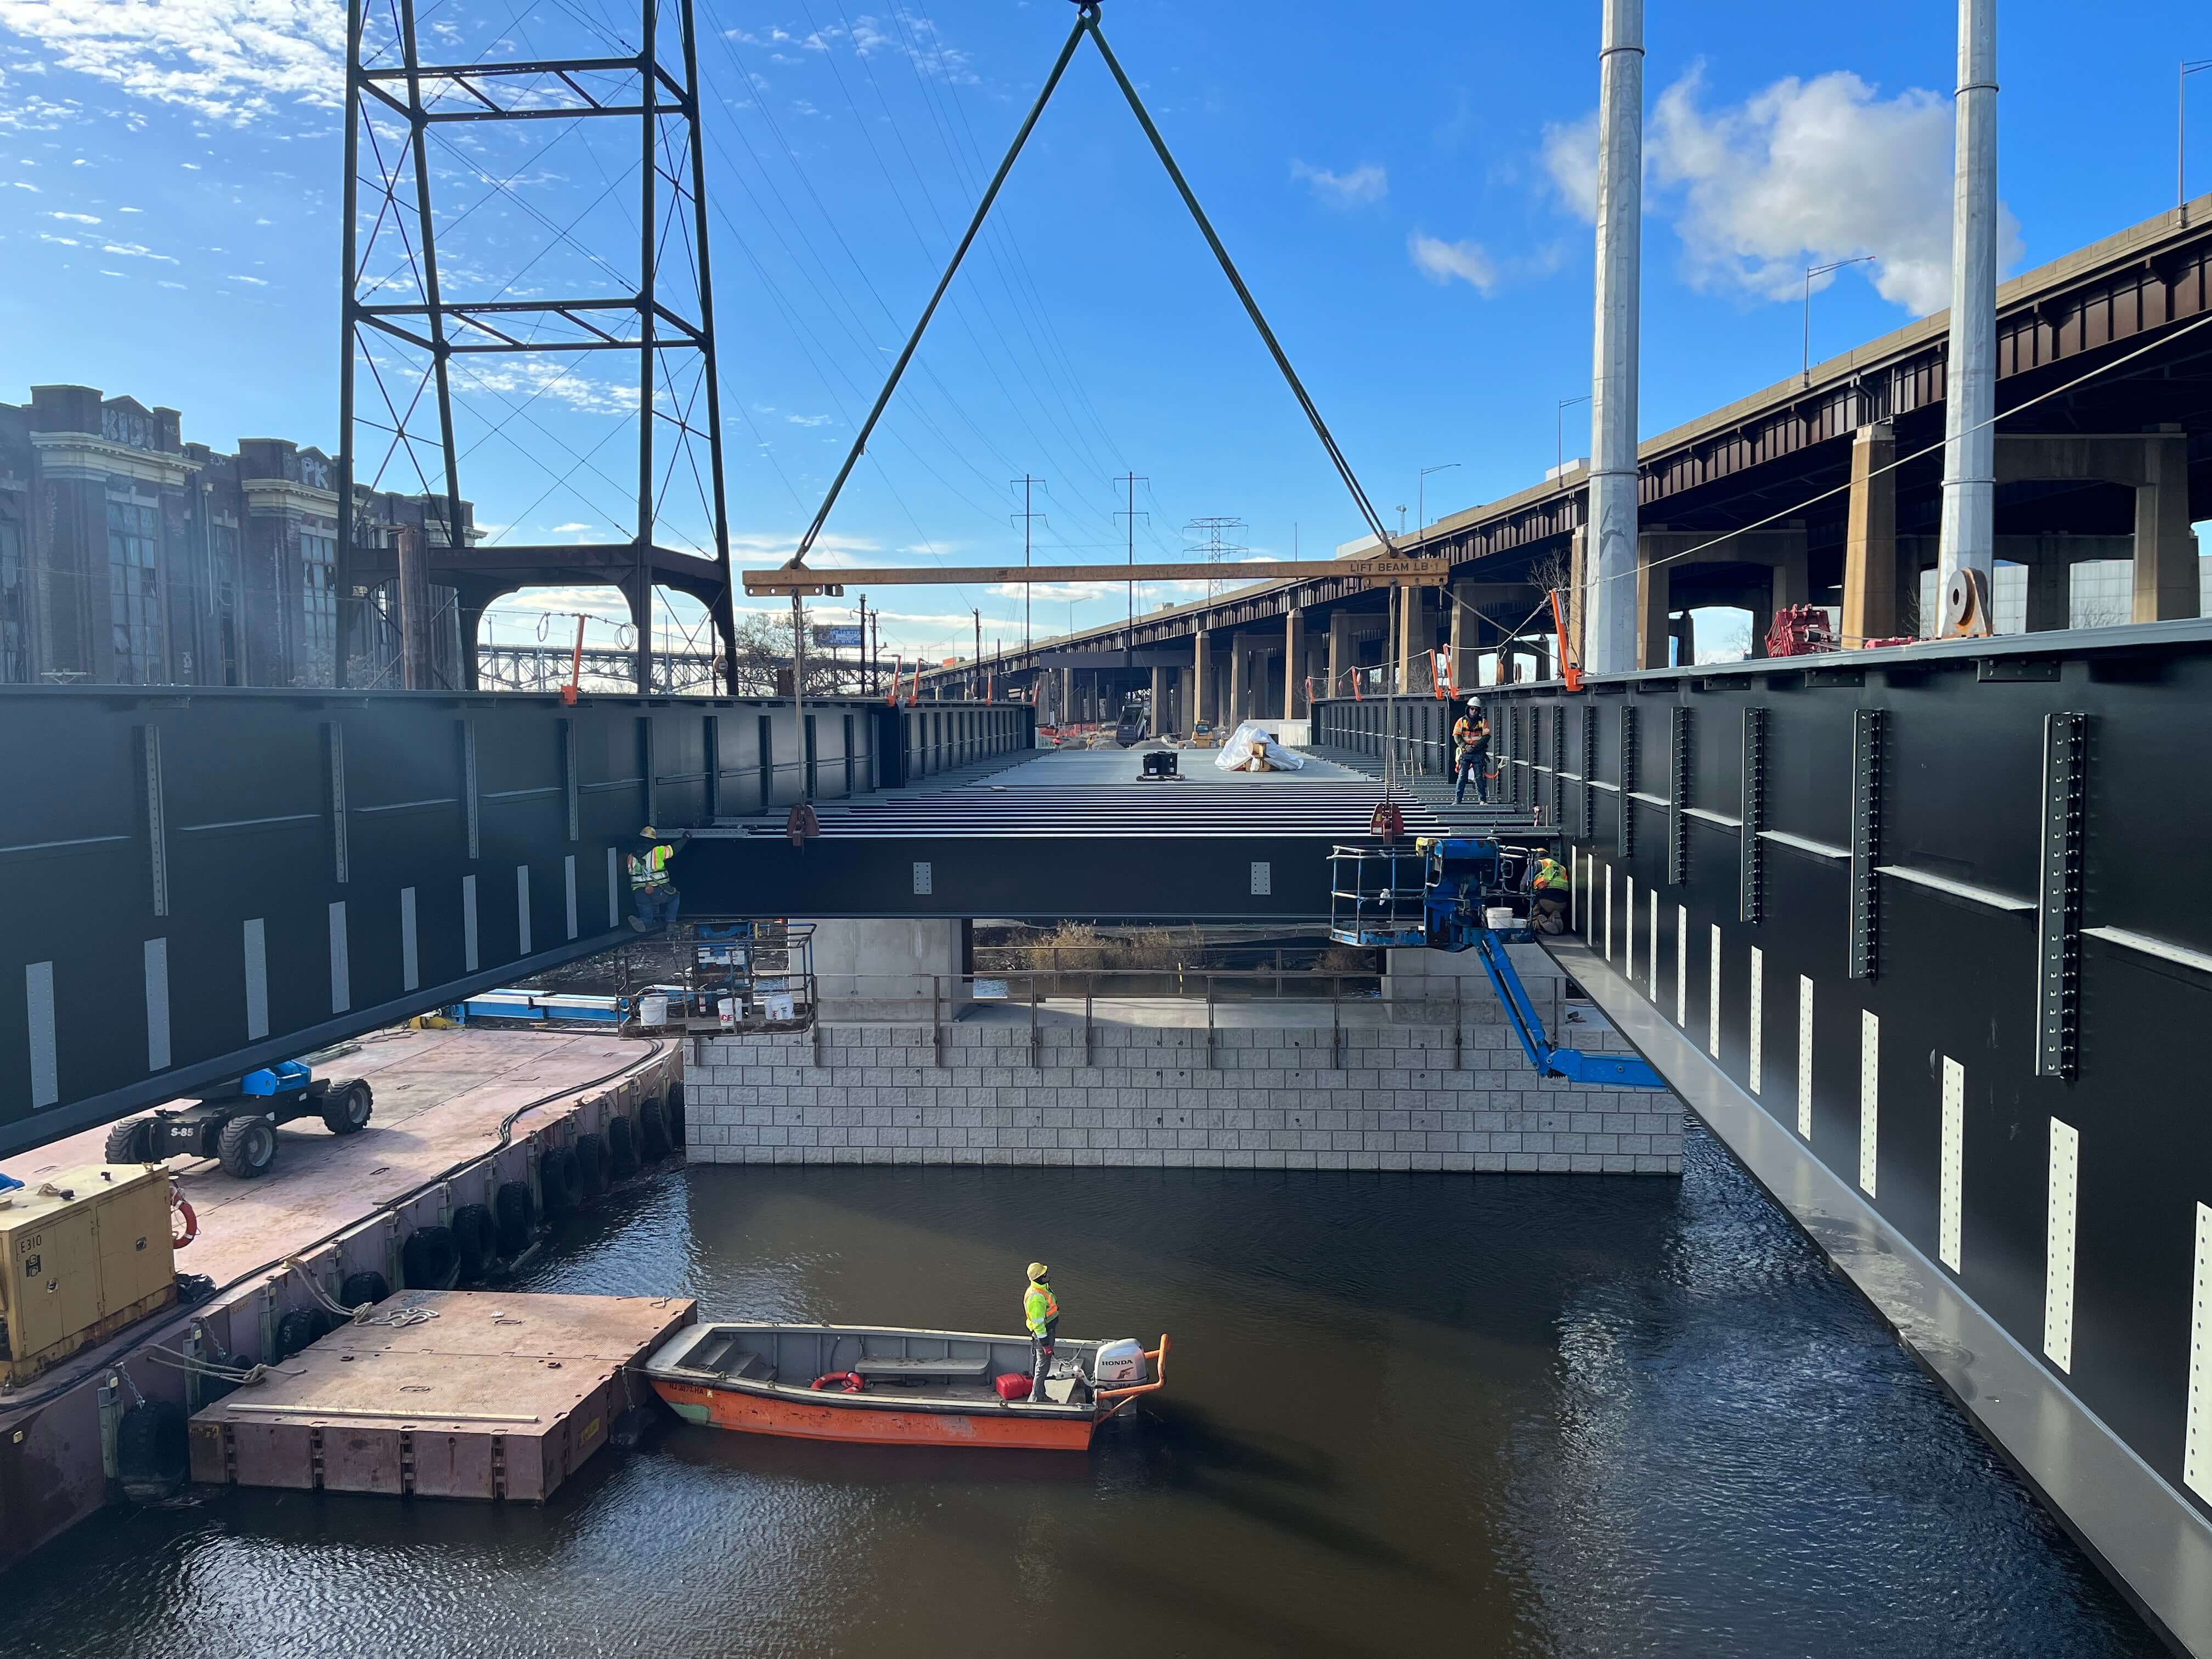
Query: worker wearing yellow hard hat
[1040,1313]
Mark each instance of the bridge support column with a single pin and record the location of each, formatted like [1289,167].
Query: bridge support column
[471,601]
[2165,584]
[888,966]
[1159,702]
[1294,662]
[1652,633]
[1417,637]
[1340,656]
[1202,676]
[1870,570]
[1239,679]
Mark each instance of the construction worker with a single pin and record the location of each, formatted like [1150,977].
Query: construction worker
[656,901]
[1471,745]
[1550,885]
[1040,1313]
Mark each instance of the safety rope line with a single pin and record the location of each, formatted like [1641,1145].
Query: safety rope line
[1086,21]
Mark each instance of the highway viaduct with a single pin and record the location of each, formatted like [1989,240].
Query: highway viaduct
[1780,498]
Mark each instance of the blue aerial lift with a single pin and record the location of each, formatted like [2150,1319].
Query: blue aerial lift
[1463,893]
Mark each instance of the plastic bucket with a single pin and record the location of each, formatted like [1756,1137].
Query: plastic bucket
[726,1011]
[1500,918]
[652,1009]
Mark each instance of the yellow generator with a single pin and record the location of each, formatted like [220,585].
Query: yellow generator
[82,1255]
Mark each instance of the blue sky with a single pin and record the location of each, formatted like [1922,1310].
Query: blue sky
[1403,187]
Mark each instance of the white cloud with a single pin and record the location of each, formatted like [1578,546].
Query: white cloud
[1802,174]
[574,529]
[76,218]
[1365,185]
[234,60]
[1443,262]
[809,420]
[138,250]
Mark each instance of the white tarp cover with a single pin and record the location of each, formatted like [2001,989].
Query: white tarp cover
[1235,755]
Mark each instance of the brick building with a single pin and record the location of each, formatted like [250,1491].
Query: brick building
[129,556]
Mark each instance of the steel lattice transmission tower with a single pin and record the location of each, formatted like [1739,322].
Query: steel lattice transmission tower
[573,295]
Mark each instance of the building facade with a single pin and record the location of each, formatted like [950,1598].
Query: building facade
[131,557]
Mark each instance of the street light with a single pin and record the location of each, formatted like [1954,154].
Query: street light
[2189,67]
[1811,271]
[1401,520]
[1559,431]
[1421,496]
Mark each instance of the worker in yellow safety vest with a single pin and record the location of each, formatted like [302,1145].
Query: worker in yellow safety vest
[1550,883]
[1040,1313]
[656,902]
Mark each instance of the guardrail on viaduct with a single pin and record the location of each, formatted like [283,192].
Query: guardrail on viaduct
[1945,913]
[193,883]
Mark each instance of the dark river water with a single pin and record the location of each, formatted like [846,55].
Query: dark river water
[1406,1413]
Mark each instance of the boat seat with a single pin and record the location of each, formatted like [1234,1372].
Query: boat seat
[722,1357]
[886,1367]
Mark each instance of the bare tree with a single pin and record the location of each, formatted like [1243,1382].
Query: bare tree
[762,659]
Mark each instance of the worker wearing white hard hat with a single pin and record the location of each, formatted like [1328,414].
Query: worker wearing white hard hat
[1471,754]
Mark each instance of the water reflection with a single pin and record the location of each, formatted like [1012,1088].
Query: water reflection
[1524,1415]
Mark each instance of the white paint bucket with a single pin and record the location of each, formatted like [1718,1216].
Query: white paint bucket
[1500,918]
[727,1012]
[652,1009]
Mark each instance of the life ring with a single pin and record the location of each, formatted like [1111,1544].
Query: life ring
[182,1205]
[849,1382]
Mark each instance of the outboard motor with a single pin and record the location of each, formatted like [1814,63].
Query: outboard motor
[1120,1362]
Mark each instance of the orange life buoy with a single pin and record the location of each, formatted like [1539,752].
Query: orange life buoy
[849,1382]
[182,1205]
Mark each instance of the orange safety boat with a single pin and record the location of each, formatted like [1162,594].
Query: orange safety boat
[893,1387]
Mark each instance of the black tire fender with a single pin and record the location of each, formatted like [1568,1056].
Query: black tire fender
[591,1164]
[472,1236]
[621,1149]
[297,1328]
[152,1453]
[431,1258]
[367,1285]
[560,1183]
[652,1130]
[513,1211]
[674,1114]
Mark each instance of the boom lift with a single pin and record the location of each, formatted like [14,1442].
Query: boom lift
[1462,893]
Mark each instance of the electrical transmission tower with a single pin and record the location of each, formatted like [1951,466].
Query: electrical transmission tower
[523,297]
[1215,538]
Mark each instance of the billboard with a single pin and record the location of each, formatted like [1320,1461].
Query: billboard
[840,635]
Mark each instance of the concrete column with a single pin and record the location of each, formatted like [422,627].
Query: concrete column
[1871,538]
[1239,673]
[1340,657]
[1417,637]
[1651,606]
[1159,702]
[1294,664]
[2166,583]
[1066,704]
[886,967]
[2050,580]
[1201,706]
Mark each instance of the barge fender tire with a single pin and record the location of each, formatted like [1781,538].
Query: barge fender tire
[297,1328]
[152,1455]
[513,1210]
[560,1183]
[367,1285]
[674,1114]
[247,1146]
[472,1236]
[431,1258]
[621,1149]
[652,1130]
[591,1164]
[131,1142]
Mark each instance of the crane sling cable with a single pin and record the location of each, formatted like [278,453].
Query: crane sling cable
[1086,22]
